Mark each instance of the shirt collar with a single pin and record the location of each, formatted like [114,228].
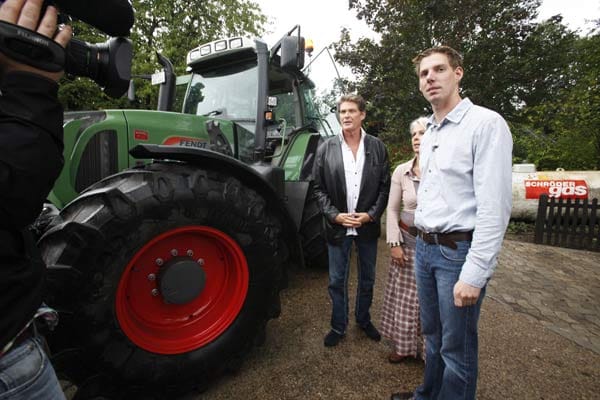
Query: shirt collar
[409,171]
[343,142]
[456,115]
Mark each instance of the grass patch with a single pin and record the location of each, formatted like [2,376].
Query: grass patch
[520,227]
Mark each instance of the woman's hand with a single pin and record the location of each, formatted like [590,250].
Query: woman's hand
[398,256]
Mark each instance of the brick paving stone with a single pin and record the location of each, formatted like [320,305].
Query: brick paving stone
[523,303]
[508,298]
[595,341]
[546,312]
[581,329]
[593,319]
[565,317]
[580,340]
[558,286]
[561,330]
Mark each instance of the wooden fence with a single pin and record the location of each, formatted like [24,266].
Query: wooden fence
[568,223]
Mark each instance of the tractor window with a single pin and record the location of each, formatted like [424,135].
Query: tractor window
[228,92]
[326,124]
[181,85]
[287,106]
[281,85]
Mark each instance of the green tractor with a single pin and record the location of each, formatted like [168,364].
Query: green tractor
[176,229]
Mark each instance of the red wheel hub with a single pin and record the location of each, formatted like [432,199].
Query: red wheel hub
[158,326]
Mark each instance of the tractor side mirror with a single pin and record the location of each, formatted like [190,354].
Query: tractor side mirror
[292,52]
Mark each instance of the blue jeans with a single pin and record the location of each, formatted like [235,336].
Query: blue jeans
[450,332]
[26,373]
[339,267]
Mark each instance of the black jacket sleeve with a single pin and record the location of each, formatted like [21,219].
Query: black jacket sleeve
[30,160]
[30,146]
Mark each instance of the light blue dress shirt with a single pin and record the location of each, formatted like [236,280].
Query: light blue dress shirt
[466,183]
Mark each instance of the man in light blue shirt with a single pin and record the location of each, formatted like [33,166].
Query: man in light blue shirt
[464,203]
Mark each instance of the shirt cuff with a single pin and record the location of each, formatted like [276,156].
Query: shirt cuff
[474,275]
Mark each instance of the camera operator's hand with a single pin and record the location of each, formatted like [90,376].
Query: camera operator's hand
[26,13]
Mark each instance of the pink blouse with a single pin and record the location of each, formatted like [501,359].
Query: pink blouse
[402,200]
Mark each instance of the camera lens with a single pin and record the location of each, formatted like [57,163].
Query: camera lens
[108,63]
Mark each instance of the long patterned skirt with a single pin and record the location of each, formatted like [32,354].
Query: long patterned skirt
[400,320]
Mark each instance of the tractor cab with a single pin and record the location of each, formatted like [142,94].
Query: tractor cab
[264,92]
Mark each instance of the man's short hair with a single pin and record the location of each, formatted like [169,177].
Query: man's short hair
[454,57]
[353,98]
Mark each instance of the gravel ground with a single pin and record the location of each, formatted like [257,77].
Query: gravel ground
[519,358]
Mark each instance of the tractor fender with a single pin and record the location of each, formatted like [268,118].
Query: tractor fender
[266,179]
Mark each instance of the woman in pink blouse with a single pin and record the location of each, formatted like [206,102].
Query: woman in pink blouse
[400,312]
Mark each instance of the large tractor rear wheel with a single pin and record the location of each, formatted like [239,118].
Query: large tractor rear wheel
[165,276]
[314,244]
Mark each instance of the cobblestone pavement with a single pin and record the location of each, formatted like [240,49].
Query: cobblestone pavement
[558,287]
[521,356]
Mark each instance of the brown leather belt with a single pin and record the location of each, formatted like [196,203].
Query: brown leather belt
[446,239]
[412,230]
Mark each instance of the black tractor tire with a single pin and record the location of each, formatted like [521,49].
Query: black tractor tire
[314,244]
[91,250]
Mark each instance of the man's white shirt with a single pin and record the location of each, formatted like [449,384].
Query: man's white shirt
[353,170]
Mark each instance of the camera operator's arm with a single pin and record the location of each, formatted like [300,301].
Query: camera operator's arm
[30,122]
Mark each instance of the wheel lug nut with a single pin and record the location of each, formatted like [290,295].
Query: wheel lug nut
[154,292]
[159,261]
[174,252]
[190,253]
[151,277]
[200,261]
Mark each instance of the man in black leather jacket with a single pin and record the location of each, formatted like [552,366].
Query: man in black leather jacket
[30,160]
[352,182]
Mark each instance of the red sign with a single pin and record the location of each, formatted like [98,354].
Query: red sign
[140,135]
[564,189]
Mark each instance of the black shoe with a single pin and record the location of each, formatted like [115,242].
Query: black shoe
[371,331]
[332,339]
[403,396]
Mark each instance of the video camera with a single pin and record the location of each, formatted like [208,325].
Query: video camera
[108,63]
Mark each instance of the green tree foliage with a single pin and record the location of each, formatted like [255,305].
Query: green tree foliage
[529,72]
[564,131]
[171,28]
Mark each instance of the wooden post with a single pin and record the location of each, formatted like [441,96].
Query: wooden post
[540,220]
